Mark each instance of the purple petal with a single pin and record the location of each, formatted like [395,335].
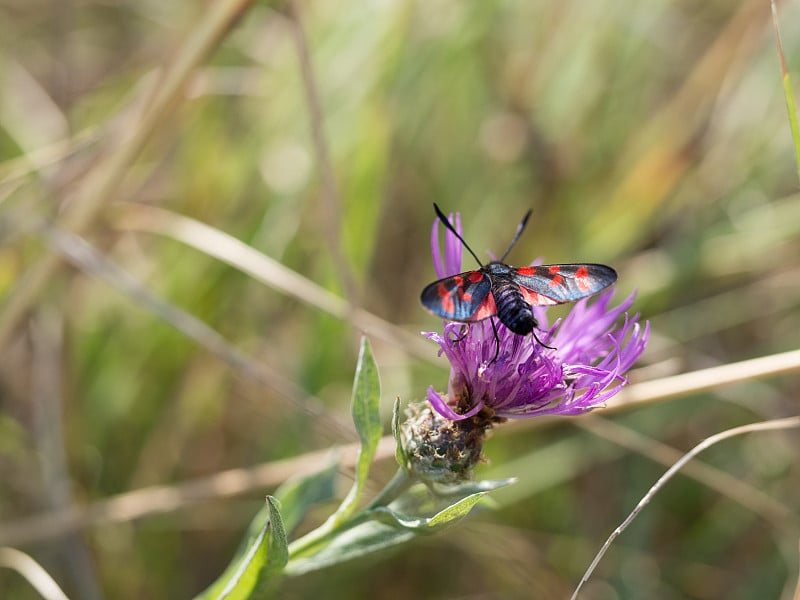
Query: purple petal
[443,408]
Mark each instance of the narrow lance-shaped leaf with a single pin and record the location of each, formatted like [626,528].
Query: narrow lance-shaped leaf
[298,494]
[264,557]
[363,539]
[366,417]
[454,512]
[788,91]
[386,527]
[399,451]
[407,511]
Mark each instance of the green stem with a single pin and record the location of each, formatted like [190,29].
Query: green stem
[398,484]
[330,528]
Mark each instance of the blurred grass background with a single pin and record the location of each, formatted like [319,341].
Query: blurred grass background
[649,136]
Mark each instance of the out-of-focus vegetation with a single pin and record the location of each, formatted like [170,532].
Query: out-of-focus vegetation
[652,136]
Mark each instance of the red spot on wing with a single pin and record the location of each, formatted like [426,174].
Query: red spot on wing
[556,281]
[526,271]
[535,299]
[581,278]
[485,310]
[554,269]
[446,299]
[475,276]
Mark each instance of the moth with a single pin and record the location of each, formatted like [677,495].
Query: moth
[510,293]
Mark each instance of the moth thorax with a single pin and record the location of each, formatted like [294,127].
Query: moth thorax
[512,310]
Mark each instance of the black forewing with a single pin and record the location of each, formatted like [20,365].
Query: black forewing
[555,284]
[458,298]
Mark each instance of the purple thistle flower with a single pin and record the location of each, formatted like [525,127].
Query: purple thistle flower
[584,368]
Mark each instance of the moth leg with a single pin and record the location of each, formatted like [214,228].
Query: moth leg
[541,343]
[496,341]
[465,331]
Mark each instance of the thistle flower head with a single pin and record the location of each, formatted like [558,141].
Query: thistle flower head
[440,450]
[584,367]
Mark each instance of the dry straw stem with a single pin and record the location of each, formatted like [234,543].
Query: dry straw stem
[106,177]
[161,499]
[760,503]
[796,595]
[788,423]
[331,199]
[168,498]
[648,171]
[268,271]
[46,405]
[15,170]
[33,573]
[86,258]
[706,379]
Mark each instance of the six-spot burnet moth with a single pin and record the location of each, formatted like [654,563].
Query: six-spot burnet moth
[498,289]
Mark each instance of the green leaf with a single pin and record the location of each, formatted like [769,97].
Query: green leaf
[471,487]
[298,494]
[788,90]
[366,416]
[404,519]
[361,540]
[399,451]
[454,512]
[265,556]
[421,511]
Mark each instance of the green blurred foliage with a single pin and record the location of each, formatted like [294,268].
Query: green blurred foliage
[651,136]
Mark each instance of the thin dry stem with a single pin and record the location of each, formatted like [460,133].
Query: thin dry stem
[33,573]
[331,199]
[18,168]
[706,379]
[776,424]
[652,171]
[168,498]
[46,403]
[155,500]
[261,267]
[106,177]
[85,257]
[797,587]
[726,310]
[751,498]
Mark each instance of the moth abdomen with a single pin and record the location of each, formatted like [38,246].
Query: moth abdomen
[512,310]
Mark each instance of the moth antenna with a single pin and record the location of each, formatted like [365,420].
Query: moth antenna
[452,229]
[520,229]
